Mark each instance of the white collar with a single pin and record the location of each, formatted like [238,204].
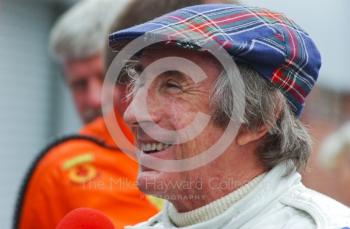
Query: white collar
[214,208]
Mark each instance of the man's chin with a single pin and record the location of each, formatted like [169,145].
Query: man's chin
[149,181]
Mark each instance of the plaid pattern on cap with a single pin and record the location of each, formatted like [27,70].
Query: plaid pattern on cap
[272,44]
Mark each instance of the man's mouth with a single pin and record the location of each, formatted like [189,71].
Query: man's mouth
[153,147]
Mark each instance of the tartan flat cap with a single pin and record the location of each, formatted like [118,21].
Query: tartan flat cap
[269,42]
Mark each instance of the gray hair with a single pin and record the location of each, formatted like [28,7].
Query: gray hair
[286,140]
[82,31]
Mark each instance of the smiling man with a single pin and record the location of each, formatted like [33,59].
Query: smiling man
[173,102]
[253,182]
[87,169]
[78,46]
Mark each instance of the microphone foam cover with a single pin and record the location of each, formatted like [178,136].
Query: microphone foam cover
[85,218]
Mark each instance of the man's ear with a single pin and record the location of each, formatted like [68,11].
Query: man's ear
[246,136]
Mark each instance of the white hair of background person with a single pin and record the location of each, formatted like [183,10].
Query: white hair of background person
[334,145]
[82,30]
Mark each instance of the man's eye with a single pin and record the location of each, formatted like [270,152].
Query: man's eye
[171,84]
[172,87]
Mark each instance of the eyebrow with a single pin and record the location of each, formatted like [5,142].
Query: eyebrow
[138,67]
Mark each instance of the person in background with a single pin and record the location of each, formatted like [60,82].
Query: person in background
[334,156]
[254,182]
[77,43]
[88,169]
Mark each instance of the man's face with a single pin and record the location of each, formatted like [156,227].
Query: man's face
[85,78]
[173,101]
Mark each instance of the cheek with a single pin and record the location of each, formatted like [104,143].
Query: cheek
[181,113]
[201,142]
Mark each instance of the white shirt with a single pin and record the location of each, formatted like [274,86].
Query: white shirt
[277,202]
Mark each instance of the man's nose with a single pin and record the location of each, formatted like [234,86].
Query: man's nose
[129,114]
[94,94]
[142,108]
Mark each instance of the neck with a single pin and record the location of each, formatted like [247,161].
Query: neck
[206,189]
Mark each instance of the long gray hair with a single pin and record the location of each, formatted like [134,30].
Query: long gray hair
[286,140]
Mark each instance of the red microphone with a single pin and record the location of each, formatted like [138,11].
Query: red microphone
[85,218]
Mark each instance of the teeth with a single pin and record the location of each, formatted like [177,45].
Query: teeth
[153,146]
[147,147]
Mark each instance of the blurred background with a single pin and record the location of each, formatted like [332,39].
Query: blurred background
[35,107]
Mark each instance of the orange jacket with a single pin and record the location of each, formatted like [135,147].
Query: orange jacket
[82,171]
